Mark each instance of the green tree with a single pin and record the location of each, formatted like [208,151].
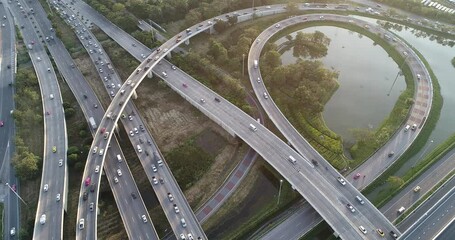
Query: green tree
[272,59]
[72,159]
[220,26]
[217,51]
[26,165]
[453,61]
[118,7]
[69,112]
[232,20]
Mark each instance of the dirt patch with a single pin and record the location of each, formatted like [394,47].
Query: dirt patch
[210,141]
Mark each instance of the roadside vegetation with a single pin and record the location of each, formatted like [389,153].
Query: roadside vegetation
[419,9]
[453,62]
[417,145]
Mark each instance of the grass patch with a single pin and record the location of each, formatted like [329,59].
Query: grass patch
[179,160]
[248,208]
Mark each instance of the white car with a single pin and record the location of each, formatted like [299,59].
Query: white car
[13,231]
[176,209]
[154,168]
[136,130]
[81,223]
[190,236]
[42,219]
[60,162]
[46,187]
[341,180]
[51,96]
[97,169]
[119,172]
[155,181]
[182,236]
[58,197]
[144,218]
[115,179]
[131,133]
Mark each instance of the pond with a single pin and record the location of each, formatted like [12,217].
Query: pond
[365,96]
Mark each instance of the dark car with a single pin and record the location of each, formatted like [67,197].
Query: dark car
[92,187]
[217,100]
[85,196]
[314,162]
[133,195]
[393,234]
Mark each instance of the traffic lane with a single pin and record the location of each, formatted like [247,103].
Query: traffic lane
[435,220]
[101,115]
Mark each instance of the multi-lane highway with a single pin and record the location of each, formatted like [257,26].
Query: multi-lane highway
[92,108]
[138,135]
[49,214]
[7,147]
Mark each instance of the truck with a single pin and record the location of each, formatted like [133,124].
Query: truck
[111,69]
[92,122]
[255,63]
[30,46]
[292,159]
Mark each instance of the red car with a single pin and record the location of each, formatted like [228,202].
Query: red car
[1,123]
[357,176]
[87,181]
[103,130]
[184,85]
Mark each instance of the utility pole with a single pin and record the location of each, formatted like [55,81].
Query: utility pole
[7,184]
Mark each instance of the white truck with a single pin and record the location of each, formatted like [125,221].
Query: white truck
[256,64]
[92,122]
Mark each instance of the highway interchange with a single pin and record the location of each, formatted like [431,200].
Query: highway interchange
[194,99]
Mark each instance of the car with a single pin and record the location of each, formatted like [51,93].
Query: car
[103,130]
[39,59]
[315,163]
[350,207]
[131,133]
[112,94]
[87,181]
[142,128]
[123,115]
[144,218]
[2,123]
[54,149]
[95,105]
[130,117]
[155,181]
[357,175]
[173,67]
[81,223]
[133,195]
[363,230]
[57,198]
[393,234]
[341,180]
[417,189]
[48,113]
[184,85]
[95,149]
[164,74]
[42,219]
[259,80]
[48,69]
[136,130]
[414,127]
[171,198]
[115,180]
[183,222]
[161,180]
[380,232]
[60,162]
[202,100]
[217,100]
[176,209]
[391,154]
[119,172]
[97,168]
[277,26]
[91,207]
[154,168]
[190,236]
[182,236]
[12,232]
[128,82]
[46,187]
